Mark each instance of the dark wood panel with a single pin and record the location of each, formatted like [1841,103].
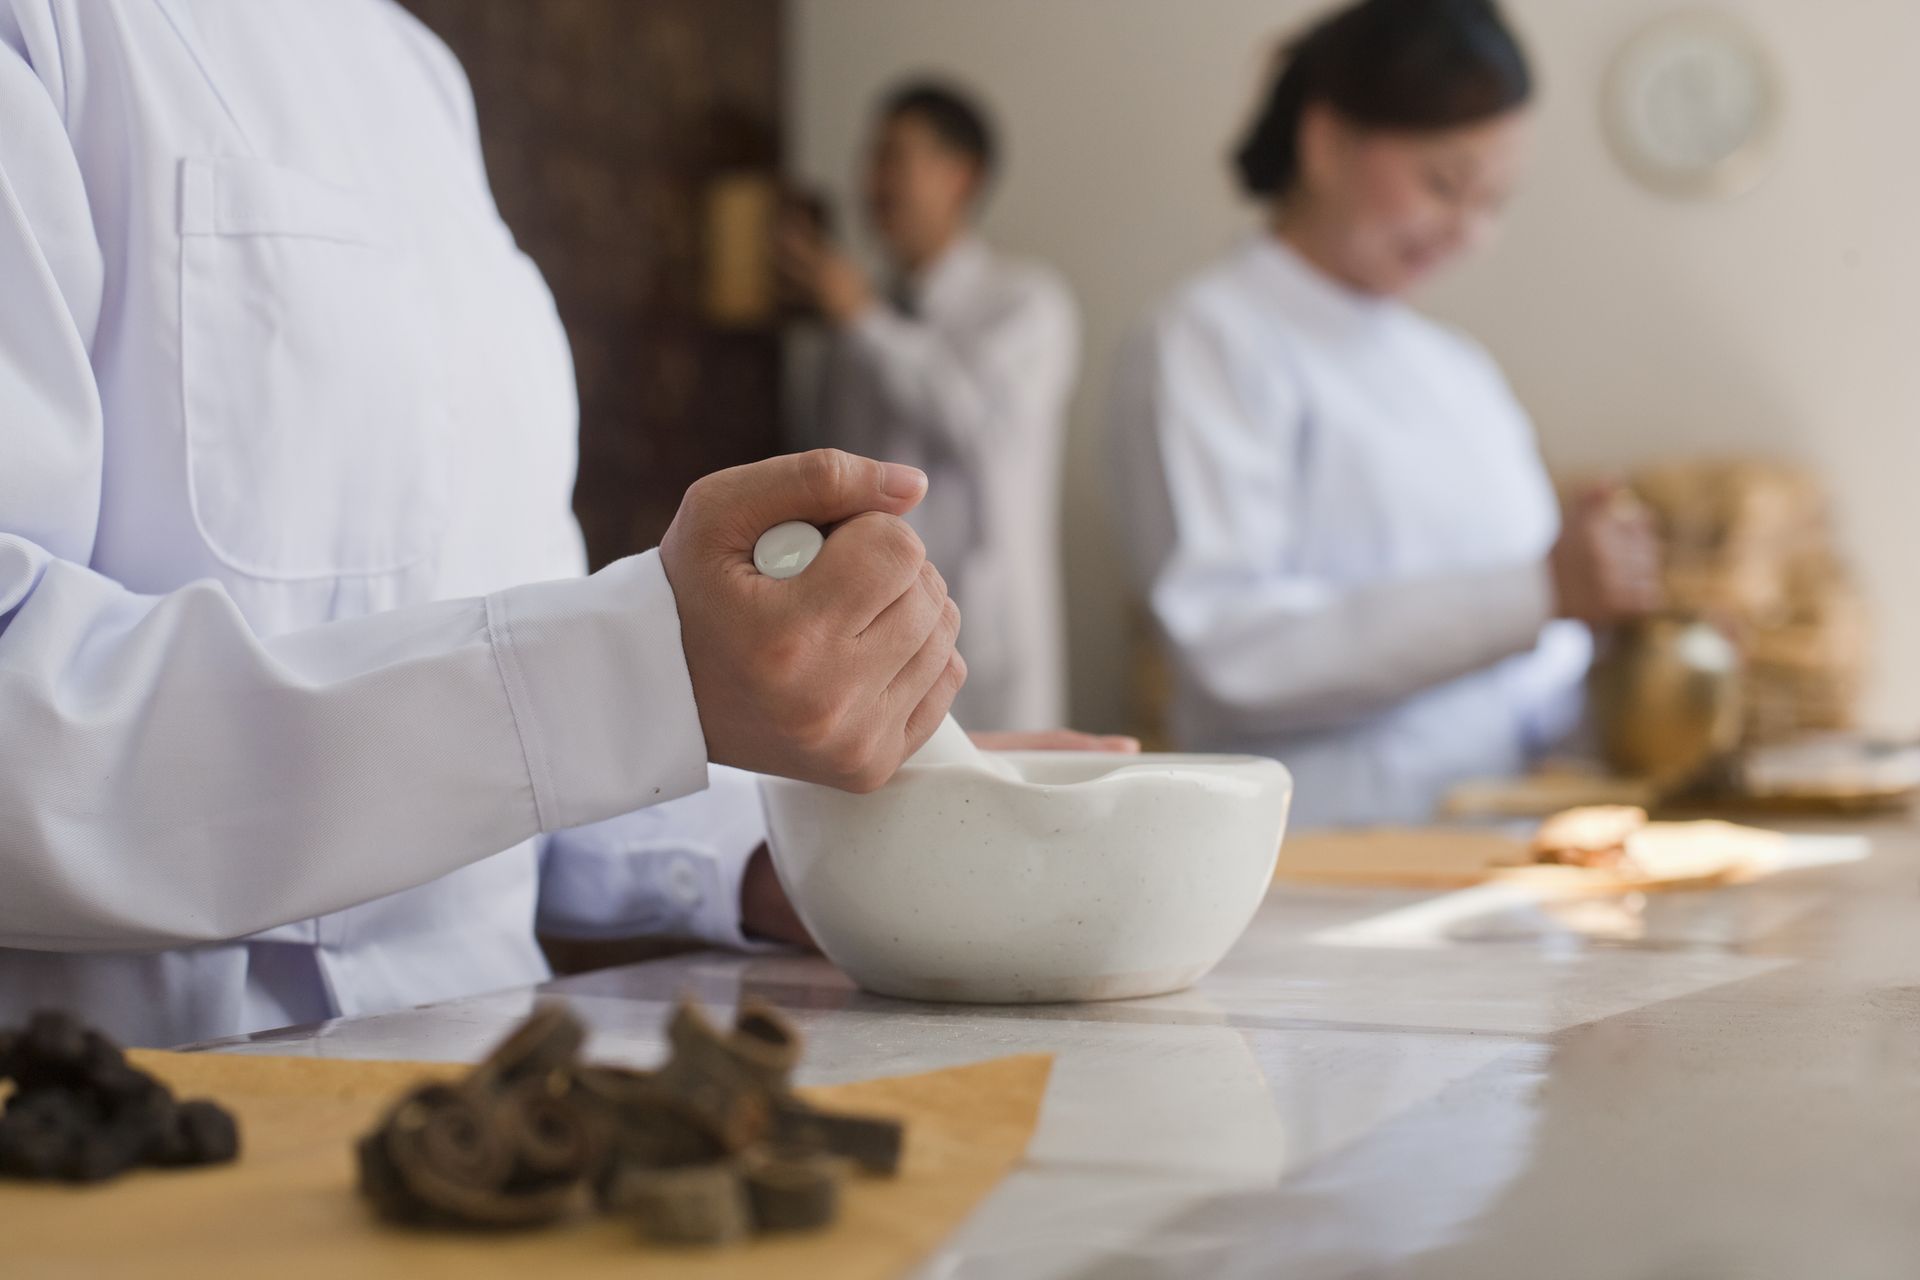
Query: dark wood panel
[603,121]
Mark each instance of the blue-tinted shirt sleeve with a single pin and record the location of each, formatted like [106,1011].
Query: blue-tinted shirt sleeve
[673,870]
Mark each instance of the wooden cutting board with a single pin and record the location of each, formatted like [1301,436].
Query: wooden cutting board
[1462,857]
[288,1207]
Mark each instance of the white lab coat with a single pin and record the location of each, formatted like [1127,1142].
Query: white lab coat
[1340,520]
[286,423]
[972,388]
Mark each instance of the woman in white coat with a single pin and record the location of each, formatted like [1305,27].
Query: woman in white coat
[1335,505]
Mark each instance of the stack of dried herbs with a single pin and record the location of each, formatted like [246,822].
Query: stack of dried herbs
[710,1148]
[80,1112]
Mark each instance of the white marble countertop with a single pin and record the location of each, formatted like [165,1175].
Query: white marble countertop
[1716,1085]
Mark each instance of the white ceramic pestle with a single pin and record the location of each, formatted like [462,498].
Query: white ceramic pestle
[785,551]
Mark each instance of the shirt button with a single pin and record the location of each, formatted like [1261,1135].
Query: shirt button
[684,882]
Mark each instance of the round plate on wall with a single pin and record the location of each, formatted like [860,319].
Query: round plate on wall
[1693,106]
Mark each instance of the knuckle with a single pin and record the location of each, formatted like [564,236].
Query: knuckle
[935,585]
[851,759]
[898,537]
[824,471]
[868,525]
[874,774]
[699,495]
[818,717]
[926,617]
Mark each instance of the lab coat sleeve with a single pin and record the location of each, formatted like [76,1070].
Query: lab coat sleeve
[167,776]
[986,391]
[673,870]
[1209,479]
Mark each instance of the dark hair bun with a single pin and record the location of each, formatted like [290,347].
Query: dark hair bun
[1412,65]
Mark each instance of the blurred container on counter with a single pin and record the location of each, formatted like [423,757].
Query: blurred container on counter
[1667,699]
[1749,544]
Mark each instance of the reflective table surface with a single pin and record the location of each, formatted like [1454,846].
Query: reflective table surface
[1717,1085]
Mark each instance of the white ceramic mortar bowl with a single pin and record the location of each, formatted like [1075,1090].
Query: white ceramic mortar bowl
[1095,877]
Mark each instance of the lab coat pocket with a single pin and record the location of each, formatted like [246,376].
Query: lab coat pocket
[316,431]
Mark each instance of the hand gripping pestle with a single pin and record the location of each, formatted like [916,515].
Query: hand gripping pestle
[785,551]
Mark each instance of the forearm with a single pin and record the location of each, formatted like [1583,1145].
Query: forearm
[1275,666]
[171,778]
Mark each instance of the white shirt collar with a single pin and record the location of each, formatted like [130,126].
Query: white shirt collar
[1276,260]
[935,286]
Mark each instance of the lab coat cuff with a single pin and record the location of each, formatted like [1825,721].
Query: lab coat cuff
[597,683]
[671,871]
[718,919]
[1524,599]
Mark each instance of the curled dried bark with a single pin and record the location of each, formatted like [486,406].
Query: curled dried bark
[709,1148]
[793,1193]
[506,1147]
[699,1204]
[873,1144]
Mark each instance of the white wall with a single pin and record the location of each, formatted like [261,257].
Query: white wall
[1633,326]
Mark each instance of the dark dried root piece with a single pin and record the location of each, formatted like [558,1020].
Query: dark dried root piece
[727,1093]
[57,1043]
[55,1051]
[704,1204]
[106,1152]
[435,1153]
[640,1123]
[454,1133]
[553,1136]
[547,1042]
[202,1132]
[766,1043]
[512,1145]
[793,1193]
[449,1156]
[424,1198]
[41,1132]
[871,1142]
[708,1149]
[81,1112]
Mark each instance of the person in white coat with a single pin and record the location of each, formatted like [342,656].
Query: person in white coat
[305,707]
[1335,505]
[963,368]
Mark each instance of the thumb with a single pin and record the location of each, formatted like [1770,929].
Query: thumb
[823,487]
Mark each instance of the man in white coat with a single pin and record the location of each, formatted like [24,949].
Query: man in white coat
[305,709]
[964,369]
